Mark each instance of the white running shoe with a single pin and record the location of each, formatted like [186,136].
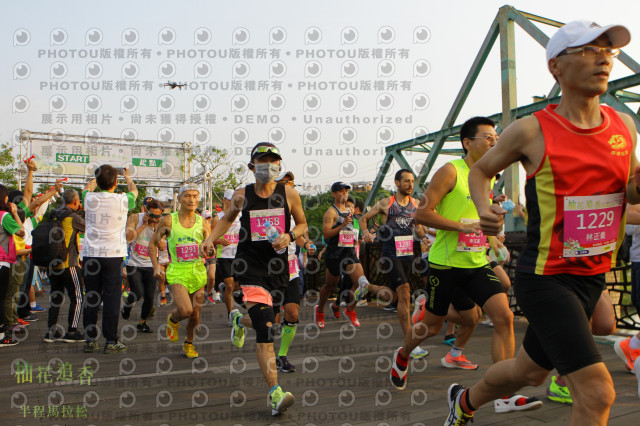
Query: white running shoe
[517,403]
[418,352]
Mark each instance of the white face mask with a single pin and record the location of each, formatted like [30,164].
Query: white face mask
[266,172]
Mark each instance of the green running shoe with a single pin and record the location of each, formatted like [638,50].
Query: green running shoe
[279,401]
[237,331]
[559,393]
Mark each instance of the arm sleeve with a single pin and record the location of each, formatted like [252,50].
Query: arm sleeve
[132,200]
[9,224]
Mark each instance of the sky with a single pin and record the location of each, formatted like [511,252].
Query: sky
[330,83]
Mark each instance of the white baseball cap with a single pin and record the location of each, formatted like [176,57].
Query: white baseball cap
[579,33]
[228,194]
[206,214]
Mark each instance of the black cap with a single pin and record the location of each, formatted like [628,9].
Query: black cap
[339,186]
[263,148]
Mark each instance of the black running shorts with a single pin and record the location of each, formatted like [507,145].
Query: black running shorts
[558,308]
[398,270]
[225,268]
[462,287]
[337,267]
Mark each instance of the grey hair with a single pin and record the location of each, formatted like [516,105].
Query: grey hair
[69,195]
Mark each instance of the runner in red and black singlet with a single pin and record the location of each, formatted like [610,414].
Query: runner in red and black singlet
[580,162]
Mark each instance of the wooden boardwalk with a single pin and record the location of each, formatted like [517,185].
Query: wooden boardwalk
[342,377]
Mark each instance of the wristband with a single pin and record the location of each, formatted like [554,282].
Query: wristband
[292,236]
[493,264]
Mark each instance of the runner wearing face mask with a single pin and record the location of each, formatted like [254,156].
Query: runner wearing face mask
[261,263]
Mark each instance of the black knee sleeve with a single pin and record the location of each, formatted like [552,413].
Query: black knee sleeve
[261,315]
[291,324]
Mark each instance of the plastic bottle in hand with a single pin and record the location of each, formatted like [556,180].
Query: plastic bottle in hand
[508,205]
[349,227]
[272,234]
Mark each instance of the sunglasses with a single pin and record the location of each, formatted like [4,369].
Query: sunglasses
[155,216]
[265,150]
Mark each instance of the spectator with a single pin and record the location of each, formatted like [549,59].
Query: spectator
[104,249]
[10,224]
[68,274]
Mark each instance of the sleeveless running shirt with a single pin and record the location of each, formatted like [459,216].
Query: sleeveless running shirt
[255,254]
[344,243]
[186,265]
[452,248]
[576,198]
[139,254]
[232,235]
[397,233]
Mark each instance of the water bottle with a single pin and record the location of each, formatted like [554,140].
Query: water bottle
[272,234]
[508,205]
[349,227]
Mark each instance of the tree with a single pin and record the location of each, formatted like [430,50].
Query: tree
[8,166]
[218,167]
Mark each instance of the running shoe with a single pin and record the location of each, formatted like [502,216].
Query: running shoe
[391,308]
[126,312]
[361,291]
[23,322]
[189,350]
[559,393]
[90,347]
[418,352]
[457,416]
[460,362]
[37,308]
[352,317]
[517,403]
[216,296]
[284,365]
[7,341]
[209,298]
[143,327]
[114,347]
[449,339]
[418,310]
[163,301]
[397,374]
[52,337]
[335,310]
[279,401]
[626,353]
[172,329]
[318,317]
[229,320]
[237,332]
[487,322]
[30,318]
[72,337]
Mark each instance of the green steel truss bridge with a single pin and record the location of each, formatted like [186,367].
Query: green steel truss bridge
[503,25]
